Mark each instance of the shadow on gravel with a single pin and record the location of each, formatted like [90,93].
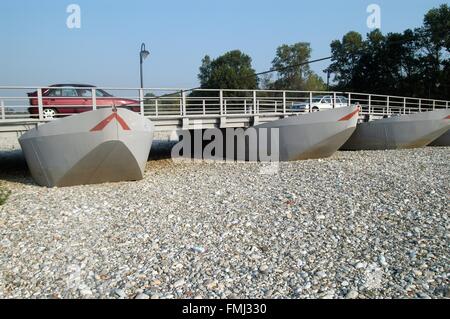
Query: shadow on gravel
[13,167]
[161,150]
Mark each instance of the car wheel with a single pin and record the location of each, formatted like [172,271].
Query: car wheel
[315,109]
[49,113]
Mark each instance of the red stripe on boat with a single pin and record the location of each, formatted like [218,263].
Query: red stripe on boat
[100,126]
[122,122]
[349,116]
[448,117]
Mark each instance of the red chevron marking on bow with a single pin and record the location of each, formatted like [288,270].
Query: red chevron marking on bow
[100,126]
[349,116]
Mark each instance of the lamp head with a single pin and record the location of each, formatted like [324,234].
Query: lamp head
[144,52]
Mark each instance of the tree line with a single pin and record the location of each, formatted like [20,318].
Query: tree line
[414,63]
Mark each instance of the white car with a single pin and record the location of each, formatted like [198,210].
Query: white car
[323,102]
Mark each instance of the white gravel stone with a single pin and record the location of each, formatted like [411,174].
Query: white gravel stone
[352,294]
[179,283]
[142,296]
[120,293]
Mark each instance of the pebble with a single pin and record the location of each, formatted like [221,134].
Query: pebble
[210,284]
[382,261]
[120,293]
[360,265]
[179,283]
[199,249]
[86,292]
[352,294]
[263,268]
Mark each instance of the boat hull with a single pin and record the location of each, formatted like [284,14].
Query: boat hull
[313,135]
[443,140]
[399,132]
[90,148]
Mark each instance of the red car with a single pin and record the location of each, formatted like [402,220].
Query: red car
[67,99]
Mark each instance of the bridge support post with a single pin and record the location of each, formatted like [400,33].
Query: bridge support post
[221,102]
[255,106]
[94,99]
[2,107]
[284,102]
[183,97]
[223,122]
[387,103]
[141,99]
[185,123]
[40,106]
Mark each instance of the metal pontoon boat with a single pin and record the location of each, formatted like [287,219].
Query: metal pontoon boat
[443,140]
[401,131]
[104,145]
[313,135]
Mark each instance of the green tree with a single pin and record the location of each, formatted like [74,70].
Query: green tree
[287,56]
[233,70]
[294,73]
[346,56]
[437,27]
[435,42]
[314,83]
[412,63]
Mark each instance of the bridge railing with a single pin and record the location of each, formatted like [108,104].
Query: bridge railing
[46,103]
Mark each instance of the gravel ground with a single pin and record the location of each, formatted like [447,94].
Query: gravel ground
[357,225]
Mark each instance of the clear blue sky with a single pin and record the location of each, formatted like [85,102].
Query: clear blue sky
[37,48]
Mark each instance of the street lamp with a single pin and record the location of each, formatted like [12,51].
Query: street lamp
[143,55]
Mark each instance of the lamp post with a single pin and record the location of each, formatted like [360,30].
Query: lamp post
[328,71]
[143,55]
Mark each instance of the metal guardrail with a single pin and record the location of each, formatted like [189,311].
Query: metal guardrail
[178,103]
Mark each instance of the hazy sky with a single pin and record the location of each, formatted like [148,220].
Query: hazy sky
[37,47]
